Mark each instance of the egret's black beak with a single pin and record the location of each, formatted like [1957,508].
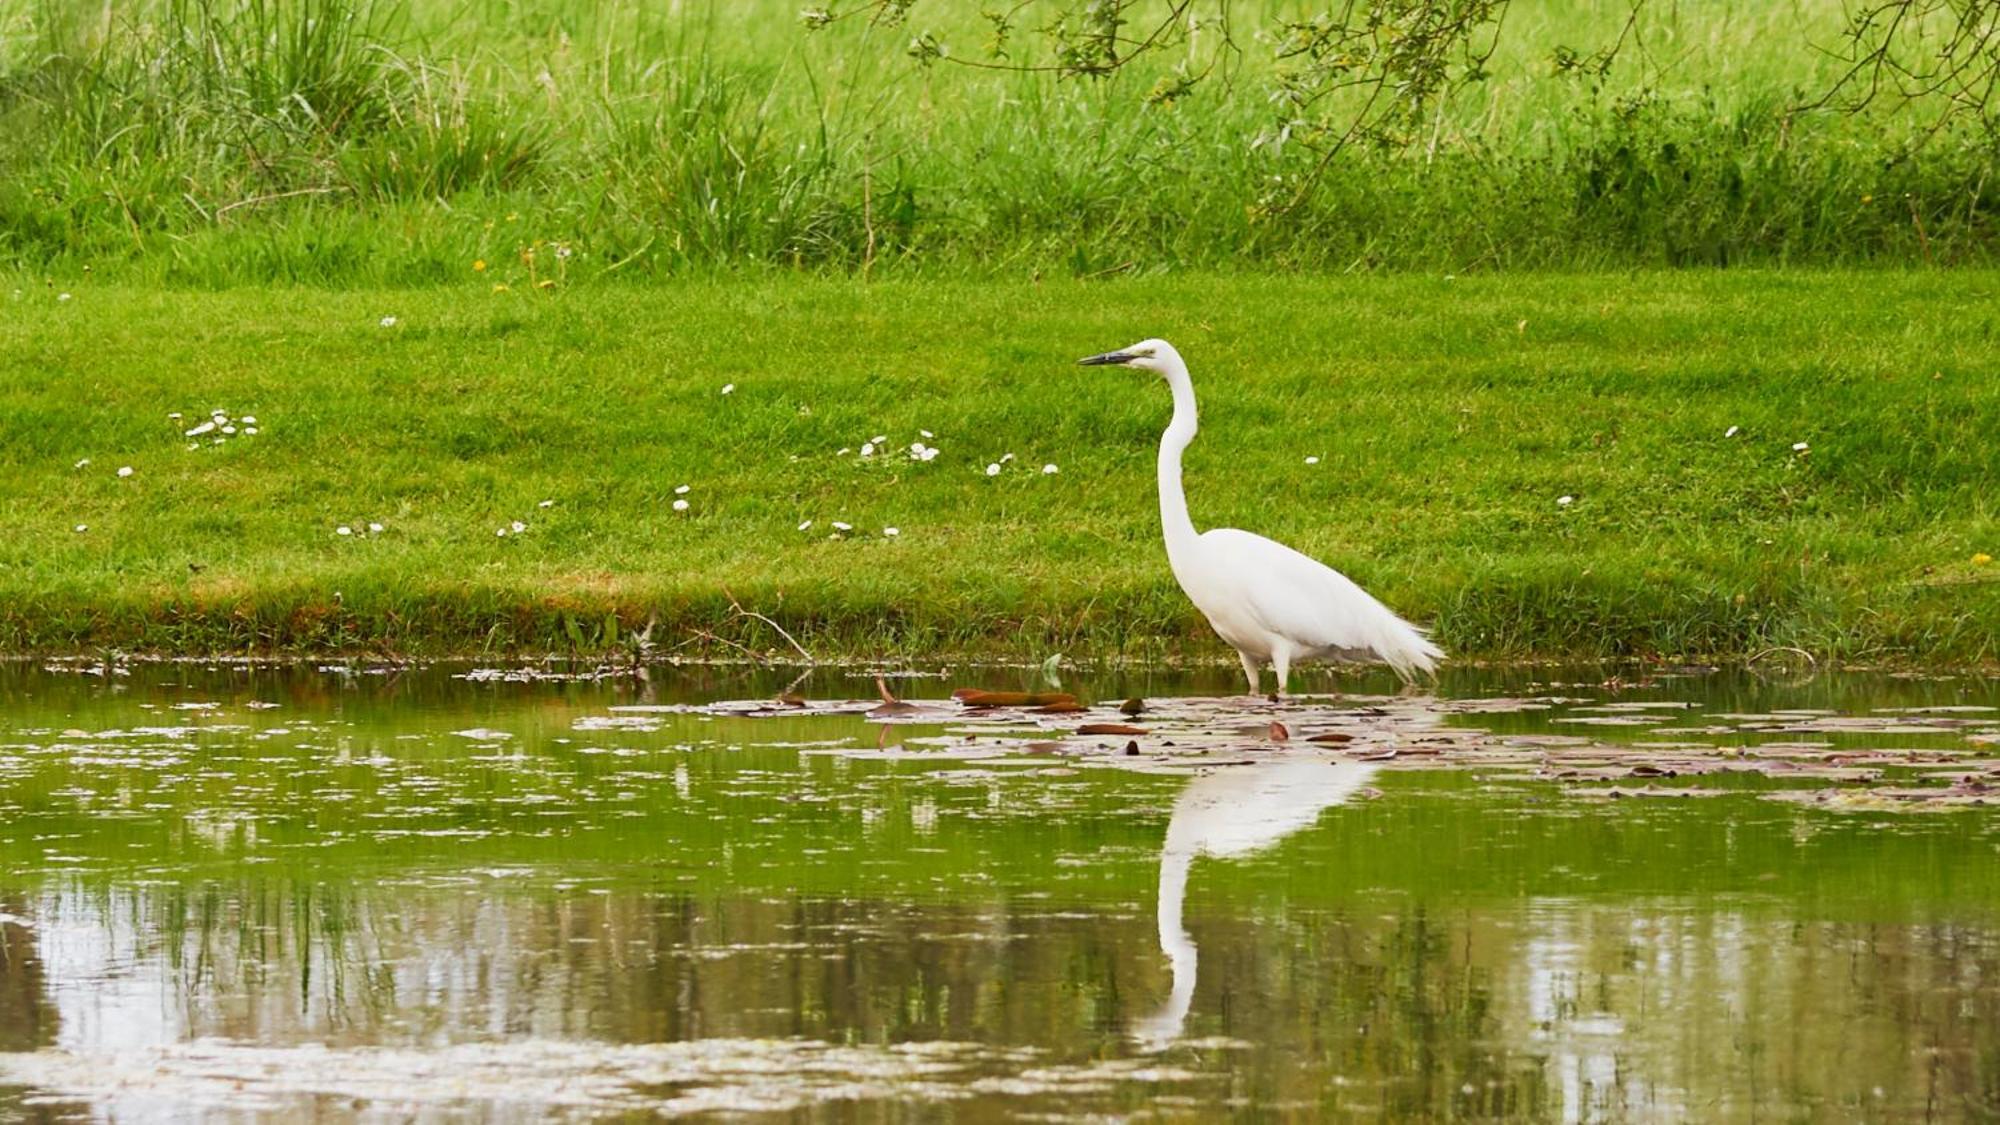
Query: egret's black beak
[1107,359]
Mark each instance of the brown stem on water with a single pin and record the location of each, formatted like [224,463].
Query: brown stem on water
[1794,650]
[779,629]
[706,635]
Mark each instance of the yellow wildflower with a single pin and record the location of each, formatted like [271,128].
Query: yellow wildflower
[479,265]
[1981,559]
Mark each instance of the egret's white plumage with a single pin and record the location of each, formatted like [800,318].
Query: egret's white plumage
[1269,602]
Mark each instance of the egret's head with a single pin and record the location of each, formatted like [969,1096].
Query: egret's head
[1149,355]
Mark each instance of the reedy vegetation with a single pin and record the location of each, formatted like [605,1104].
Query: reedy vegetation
[214,142]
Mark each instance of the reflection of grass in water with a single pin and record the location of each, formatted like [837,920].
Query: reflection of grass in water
[27,1021]
[1403,995]
[758,820]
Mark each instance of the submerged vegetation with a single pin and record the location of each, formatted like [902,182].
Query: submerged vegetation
[212,142]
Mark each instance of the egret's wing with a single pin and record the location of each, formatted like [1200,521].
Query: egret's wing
[1315,606]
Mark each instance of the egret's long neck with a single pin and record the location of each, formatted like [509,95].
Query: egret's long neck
[1174,519]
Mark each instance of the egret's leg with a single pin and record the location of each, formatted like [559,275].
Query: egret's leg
[1281,661]
[1249,669]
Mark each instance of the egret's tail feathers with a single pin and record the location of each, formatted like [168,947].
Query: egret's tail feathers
[1410,651]
[1403,646]
[1388,638]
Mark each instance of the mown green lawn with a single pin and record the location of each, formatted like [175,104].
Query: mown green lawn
[1448,415]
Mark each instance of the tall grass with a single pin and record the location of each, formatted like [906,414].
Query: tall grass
[400,141]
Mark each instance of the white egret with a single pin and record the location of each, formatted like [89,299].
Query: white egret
[1269,602]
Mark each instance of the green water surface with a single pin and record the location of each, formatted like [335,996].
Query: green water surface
[367,894]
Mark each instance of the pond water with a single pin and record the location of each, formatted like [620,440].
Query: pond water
[353,893]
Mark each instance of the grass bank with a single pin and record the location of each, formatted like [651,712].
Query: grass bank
[1754,460]
[394,142]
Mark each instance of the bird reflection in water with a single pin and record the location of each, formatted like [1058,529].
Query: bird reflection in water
[1233,813]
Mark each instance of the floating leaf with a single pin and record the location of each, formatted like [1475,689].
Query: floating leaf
[974,697]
